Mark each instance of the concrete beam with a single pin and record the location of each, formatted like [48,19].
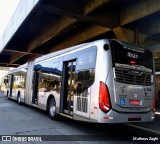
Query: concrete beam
[22,11]
[16,57]
[92,5]
[130,13]
[157,64]
[61,25]
[137,10]
[107,22]
[9,65]
[21,52]
[120,34]
[124,34]
[156,54]
[89,33]
[51,32]
[31,57]
[155,49]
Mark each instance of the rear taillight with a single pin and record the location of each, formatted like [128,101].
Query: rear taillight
[104,100]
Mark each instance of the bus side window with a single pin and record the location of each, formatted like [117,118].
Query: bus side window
[83,80]
[87,58]
[85,70]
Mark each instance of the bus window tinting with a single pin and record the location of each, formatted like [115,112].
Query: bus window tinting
[19,79]
[87,58]
[84,79]
[85,72]
[49,77]
[127,54]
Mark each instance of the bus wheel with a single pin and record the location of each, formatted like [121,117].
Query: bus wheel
[8,94]
[52,109]
[19,98]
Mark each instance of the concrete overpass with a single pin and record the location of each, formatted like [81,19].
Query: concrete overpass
[39,27]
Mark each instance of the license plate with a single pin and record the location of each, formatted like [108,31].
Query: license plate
[134,102]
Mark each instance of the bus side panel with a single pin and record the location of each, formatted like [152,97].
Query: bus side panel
[10,85]
[84,80]
[13,90]
[103,65]
[55,91]
[28,91]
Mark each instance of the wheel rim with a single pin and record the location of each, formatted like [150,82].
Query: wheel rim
[52,108]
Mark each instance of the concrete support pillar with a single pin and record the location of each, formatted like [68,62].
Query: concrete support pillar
[120,34]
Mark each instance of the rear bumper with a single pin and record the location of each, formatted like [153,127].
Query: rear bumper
[118,117]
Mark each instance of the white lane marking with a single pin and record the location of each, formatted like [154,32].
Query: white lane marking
[145,129]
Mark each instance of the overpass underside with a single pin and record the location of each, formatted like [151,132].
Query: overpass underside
[39,27]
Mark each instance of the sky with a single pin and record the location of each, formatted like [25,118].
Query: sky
[7,8]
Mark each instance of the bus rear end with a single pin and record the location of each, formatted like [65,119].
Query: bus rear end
[126,89]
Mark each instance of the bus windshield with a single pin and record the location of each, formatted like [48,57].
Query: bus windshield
[129,56]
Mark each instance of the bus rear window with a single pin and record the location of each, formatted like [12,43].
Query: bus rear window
[127,55]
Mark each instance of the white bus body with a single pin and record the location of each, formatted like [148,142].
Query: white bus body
[105,81]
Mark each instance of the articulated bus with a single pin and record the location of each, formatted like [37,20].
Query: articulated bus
[105,81]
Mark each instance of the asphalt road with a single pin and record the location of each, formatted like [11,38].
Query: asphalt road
[22,120]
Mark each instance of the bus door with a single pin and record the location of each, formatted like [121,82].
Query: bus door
[67,94]
[35,87]
[11,79]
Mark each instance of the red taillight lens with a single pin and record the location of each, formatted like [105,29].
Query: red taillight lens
[104,100]
[133,62]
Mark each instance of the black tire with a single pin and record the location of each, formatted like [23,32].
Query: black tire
[8,95]
[19,99]
[52,109]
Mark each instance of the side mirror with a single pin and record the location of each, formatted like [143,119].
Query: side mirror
[106,47]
